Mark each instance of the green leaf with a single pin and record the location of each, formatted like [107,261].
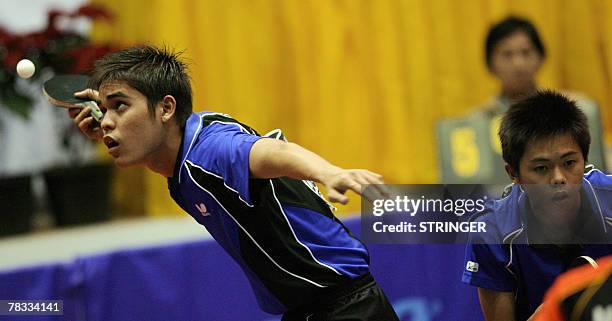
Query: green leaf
[16,102]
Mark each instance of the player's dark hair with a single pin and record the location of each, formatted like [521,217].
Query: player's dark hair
[155,72]
[543,115]
[508,27]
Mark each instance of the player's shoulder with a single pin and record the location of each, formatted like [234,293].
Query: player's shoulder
[212,143]
[502,215]
[508,202]
[203,133]
[598,179]
[599,184]
[211,132]
[213,122]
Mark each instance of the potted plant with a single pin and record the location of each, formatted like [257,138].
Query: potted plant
[78,184]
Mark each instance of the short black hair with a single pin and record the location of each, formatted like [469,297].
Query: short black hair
[543,115]
[155,72]
[506,28]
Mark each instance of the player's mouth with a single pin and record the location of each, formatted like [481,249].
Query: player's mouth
[560,196]
[111,144]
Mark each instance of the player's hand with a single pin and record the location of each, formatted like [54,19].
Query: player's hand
[82,116]
[354,179]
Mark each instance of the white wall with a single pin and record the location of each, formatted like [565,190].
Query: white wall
[30,15]
[34,145]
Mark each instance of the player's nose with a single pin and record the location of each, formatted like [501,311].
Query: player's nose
[558,176]
[107,124]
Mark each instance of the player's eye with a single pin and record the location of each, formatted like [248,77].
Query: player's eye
[120,106]
[540,169]
[570,162]
[526,52]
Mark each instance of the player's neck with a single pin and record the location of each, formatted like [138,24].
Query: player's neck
[164,159]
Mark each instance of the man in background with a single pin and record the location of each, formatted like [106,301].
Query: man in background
[514,55]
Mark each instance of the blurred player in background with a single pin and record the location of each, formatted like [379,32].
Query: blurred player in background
[254,194]
[514,55]
[553,214]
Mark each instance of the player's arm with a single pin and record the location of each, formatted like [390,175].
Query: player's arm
[270,158]
[496,305]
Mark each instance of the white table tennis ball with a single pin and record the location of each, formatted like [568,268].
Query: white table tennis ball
[25,68]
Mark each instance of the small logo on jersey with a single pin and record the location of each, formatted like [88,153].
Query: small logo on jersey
[472,266]
[202,208]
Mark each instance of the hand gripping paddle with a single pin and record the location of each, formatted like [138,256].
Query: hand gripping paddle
[60,92]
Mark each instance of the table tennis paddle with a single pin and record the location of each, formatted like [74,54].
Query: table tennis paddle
[60,92]
[583,260]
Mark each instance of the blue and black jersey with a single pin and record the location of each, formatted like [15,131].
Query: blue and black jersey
[281,231]
[509,261]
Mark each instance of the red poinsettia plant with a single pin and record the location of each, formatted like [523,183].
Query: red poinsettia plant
[62,51]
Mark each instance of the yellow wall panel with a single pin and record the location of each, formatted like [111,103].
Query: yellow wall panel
[360,82]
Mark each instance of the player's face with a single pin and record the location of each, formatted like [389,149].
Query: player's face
[132,135]
[551,172]
[515,61]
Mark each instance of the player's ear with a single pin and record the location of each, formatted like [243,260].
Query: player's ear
[511,173]
[168,108]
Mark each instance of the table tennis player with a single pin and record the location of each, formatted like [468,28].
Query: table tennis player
[554,214]
[254,194]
